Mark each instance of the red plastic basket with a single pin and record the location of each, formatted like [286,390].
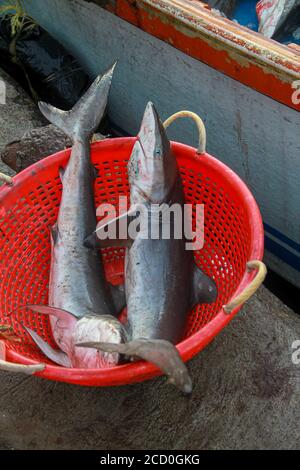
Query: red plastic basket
[233,236]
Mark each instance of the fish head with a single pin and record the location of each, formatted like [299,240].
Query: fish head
[152,167]
[96,328]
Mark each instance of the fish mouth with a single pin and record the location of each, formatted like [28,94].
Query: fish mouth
[152,167]
[151,133]
[108,74]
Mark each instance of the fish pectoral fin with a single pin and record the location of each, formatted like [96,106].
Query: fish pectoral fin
[17,368]
[110,233]
[47,310]
[204,289]
[118,295]
[94,243]
[64,316]
[161,353]
[59,357]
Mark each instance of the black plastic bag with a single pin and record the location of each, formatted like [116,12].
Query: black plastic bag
[226,7]
[289,27]
[42,65]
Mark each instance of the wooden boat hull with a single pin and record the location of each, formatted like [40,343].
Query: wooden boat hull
[253,125]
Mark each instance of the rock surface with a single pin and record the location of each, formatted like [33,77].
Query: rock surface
[34,145]
[18,114]
[24,136]
[246,396]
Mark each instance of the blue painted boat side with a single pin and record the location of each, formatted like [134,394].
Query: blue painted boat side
[282,252]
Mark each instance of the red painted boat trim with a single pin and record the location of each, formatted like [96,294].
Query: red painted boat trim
[192,27]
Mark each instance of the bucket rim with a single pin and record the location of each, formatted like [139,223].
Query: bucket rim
[189,347]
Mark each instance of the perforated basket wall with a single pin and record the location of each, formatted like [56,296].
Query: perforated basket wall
[233,236]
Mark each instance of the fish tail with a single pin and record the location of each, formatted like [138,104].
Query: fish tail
[84,118]
[160,352]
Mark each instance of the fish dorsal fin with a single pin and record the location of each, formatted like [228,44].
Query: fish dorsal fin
[59,357]
[161,353]
[204,289]
[94,243]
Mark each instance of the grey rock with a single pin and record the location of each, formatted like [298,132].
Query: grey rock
[17,115]
[24,137]
[246,396]
[34,145]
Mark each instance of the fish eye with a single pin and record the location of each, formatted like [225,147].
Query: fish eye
[157,152]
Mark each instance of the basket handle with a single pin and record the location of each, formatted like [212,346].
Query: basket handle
[252,288]
[6,179]
[14,367]
[21,368]
[200,125]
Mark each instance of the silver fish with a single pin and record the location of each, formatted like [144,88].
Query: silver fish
[82,305]
[162,281]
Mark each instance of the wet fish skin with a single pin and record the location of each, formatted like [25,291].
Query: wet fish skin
[81,302]
[159,273]
[157,292]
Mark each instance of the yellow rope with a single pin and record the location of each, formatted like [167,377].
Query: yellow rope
[200,125]
[6,179]
[252,288]
[28,370]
